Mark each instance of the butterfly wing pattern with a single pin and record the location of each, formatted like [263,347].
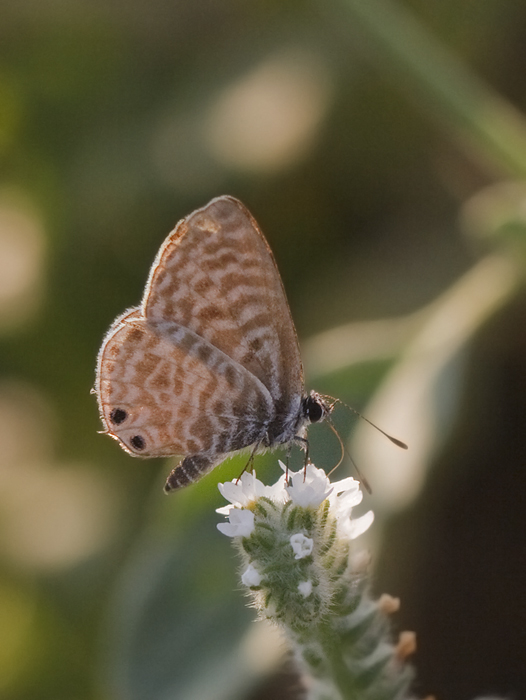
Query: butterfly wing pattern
[209,363]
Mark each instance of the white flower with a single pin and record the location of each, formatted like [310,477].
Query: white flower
[310,487]
[346,494]
[305,588]
[243,492]
[307,488]
[241,523]
[301,545]
[251,576]
[276,492]
[355,527]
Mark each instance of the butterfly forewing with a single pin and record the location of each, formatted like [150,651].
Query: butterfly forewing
[216,275]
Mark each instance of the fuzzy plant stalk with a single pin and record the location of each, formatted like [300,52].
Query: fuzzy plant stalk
[295,539]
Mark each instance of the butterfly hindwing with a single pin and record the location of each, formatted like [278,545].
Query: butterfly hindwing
[165,391]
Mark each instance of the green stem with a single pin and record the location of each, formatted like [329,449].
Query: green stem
[491,128]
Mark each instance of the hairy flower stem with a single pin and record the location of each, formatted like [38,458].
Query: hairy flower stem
[295,542]
[351,657]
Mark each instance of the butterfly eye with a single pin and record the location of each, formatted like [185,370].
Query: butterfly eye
[313,409]
[138,442]
[315,412]
[118,416]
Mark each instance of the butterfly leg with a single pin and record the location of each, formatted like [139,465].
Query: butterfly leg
[189,470]
[287,460]
[305,444]
[248,466]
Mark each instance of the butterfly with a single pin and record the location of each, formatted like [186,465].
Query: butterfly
[209,363]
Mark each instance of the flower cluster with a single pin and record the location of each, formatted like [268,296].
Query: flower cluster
[307,488]
[294,538]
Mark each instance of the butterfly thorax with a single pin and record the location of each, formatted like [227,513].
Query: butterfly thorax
[291,424]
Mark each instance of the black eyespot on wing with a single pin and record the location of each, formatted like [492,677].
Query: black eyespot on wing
[118,416]
[138,442]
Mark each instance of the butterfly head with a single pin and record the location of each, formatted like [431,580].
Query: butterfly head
[316,408]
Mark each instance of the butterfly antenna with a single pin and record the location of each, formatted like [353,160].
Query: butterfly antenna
[344,452]
[394,440]
[342,448]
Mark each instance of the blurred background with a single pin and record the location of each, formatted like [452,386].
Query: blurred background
[382,149]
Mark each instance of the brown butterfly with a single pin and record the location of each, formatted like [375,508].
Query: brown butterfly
[209,363]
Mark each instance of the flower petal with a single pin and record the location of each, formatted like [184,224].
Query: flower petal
[251,576]
[305,588]
[309,487]
[225,510]
[357,526]
[241,523]
[302,546]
